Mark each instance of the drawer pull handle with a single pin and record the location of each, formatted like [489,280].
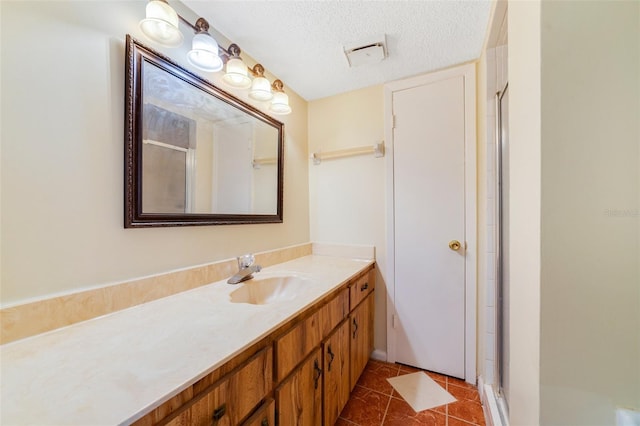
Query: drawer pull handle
[364,286]
[331,357]
[355,328]
[265,422]
[317,373]
[219,412]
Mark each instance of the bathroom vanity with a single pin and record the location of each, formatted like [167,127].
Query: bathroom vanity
[302,372]
[284,348]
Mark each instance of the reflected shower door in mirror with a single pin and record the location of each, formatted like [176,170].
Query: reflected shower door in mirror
[195,154]
[199,155]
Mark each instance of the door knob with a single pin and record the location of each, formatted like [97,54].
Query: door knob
[454,245]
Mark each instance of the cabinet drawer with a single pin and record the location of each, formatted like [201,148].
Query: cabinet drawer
[234,398]
[334,312]
[265,416]
[362,287]
[296,344]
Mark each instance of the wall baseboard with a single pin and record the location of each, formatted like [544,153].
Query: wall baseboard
[379,355]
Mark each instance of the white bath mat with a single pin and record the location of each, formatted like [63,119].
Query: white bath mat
[420,391]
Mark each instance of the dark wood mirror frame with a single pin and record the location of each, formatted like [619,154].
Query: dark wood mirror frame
[134,217]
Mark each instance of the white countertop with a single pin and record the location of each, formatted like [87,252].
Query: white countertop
[114,369]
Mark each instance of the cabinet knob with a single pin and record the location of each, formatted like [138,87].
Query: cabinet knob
[355,328]
[455,245]
[219,412]
[364,287]
[265,422]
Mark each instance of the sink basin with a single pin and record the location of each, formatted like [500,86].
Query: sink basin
[264,290]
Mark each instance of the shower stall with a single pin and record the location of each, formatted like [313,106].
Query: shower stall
[496,377]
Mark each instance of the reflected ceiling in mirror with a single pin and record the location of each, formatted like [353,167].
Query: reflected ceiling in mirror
[195,155]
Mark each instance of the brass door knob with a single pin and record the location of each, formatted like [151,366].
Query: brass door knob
[454,245]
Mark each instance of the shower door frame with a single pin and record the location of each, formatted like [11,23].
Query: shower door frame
[499,265]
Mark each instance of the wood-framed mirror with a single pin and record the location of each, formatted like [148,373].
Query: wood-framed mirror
[194,154]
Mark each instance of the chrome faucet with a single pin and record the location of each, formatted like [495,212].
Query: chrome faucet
[246,268]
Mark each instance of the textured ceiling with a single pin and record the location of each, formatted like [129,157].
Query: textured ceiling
[301,42]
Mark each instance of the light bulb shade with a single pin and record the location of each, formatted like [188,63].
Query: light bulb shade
[237,74]
[161,24]
[260,89]
[204,53]
[280,104]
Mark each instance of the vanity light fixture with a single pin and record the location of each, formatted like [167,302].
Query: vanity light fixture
[260,86]
[204,49]
[280,101]
[237,74]
[161,25]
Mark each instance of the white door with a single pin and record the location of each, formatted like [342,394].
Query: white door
[429,214]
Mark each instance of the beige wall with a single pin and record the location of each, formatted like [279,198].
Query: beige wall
[62,133]
[347,195]
[524,210]
[575,161]
[590,280]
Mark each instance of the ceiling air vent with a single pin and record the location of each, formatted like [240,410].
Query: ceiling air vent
[364,53]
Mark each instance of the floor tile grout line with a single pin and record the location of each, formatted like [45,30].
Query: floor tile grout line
[463,420]
[386,410]
[446,407]
[375,390]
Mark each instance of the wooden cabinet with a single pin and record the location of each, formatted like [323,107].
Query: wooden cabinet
[229,401]
[336,373]
[346,325]
[299,398]
[301,374]
[361,323]
[296,344]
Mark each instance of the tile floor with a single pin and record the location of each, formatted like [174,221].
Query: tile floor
[374,402]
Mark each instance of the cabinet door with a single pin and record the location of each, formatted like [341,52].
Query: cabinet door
[361,322]
[336,373]
[299,398]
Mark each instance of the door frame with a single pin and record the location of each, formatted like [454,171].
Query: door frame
[468,72]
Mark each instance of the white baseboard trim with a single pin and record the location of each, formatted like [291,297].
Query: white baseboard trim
[487,395]
[379,355]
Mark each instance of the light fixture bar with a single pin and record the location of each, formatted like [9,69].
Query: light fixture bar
[161,26]
[189,24]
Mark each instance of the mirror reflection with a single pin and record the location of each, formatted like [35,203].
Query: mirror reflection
[201,156]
